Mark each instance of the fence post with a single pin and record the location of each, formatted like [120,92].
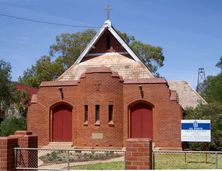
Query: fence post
[216,160]
[153,160]
[68,160]
[15,157]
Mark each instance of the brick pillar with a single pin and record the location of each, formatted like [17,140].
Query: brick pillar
[7,161]
[27,158]
[138,153]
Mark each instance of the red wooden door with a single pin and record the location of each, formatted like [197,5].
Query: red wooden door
[62,124]
[141,121]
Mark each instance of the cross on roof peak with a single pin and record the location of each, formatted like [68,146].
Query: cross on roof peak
[108,10]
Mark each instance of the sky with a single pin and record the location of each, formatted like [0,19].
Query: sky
[190,32]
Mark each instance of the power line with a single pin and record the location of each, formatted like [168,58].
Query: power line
[46,22]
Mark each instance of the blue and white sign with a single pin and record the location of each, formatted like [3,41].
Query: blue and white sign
[195,131]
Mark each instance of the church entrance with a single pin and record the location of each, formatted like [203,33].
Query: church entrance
[62,123]
[141,121]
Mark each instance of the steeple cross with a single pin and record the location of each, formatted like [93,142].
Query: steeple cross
[108,10]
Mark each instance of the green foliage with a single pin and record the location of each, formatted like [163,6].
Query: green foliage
[7,93]
[213,112]
[219,64]
[152,56]
[44,70]
[12,124]
[21,101]
[67,49]
[213,86]
[213,89]
[9,96]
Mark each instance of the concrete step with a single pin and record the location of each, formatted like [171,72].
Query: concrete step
[59,145]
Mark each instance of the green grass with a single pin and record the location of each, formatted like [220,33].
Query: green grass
[101,166]
[193,161]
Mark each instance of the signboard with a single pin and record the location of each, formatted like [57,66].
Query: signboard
[195,131]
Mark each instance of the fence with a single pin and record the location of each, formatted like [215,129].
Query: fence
[165,159]
[68,159]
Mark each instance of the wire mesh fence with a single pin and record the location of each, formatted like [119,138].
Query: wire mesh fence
[187,159]
[68,159]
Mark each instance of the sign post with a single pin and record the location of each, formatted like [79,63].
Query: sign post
[196,131]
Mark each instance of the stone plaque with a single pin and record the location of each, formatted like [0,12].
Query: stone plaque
[97,136]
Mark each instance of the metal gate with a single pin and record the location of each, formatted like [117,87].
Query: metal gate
[68,159]
[168,159]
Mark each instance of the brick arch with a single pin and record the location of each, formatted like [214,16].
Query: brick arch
[140,101]
[140,119]
[58,103]
[61,122]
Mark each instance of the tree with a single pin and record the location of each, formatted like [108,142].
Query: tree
[213,112]
[44,70]
[67,49]
[219,64]
[12,124]
[152,56]
[6,87]
[213,88]
[10,98]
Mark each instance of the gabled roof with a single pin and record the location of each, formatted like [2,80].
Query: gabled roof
[107,26]
[125,61]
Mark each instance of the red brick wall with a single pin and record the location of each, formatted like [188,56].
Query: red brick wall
[101,87]
[166,113]
[138,154]
[86,93]
[108,93]
[22,139]
[7,145]
[39,114]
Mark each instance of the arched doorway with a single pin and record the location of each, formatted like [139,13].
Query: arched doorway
[141,121]
[62,123]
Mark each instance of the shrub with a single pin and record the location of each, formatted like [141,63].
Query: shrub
[213,112]
[12,124]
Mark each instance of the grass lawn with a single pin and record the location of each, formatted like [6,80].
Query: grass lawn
[193,161]
[101,166]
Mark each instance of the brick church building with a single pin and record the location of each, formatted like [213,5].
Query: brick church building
[107,96]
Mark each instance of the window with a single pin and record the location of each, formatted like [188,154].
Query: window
[110,112]
[108,42]
[85,113]
[97,112]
